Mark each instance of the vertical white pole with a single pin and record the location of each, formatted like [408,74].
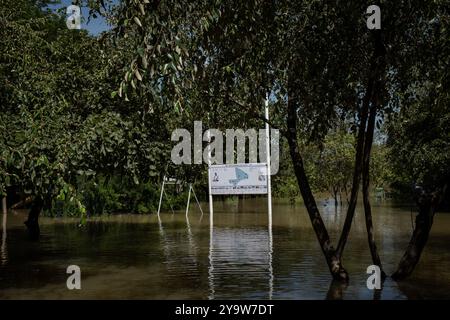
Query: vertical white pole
[211,222]
[161,196]
[189,199]
[196,199]
[5,210]
[269,186]
[211,213]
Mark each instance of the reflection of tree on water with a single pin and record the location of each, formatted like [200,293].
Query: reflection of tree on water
[240,261]
[336,290]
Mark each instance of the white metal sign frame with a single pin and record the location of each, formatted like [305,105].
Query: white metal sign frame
[241,176]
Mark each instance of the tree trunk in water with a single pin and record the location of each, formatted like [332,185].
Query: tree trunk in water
[334,264]
[336,290]
[336,203]
[427,203]
[366,182]
[376,67]
[357,171]
[33,219]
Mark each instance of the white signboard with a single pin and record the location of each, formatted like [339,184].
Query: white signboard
[245,178]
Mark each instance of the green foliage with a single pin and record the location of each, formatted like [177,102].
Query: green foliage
[332,167]
[419,133]
[420,142]
[102,195]
[59,122]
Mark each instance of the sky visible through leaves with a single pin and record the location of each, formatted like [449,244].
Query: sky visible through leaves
[94,26]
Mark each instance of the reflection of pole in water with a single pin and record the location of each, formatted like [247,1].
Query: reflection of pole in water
[190,239]
[189,231]
[164,241]
[270,260]
[211,266]
[240,259]
[161,230]
[180,258]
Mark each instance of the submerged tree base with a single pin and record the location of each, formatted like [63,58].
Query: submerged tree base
[32,223]
[427,203]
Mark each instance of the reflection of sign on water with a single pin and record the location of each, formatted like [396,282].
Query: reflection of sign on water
[247,178]
[240,258]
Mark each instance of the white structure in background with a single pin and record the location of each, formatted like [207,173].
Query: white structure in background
[191,188]
[167,181]
[242,178]
[177,183]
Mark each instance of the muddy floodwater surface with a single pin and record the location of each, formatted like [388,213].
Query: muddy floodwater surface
[142,257]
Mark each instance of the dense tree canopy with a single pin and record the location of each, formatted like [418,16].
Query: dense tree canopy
[60,119]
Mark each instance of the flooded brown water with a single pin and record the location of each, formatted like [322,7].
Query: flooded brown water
[143,257]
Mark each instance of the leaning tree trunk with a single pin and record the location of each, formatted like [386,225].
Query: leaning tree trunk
[335,196]
[427,203]
[366,182]
[375,70]
[334,263]
[33,219]
[356,174]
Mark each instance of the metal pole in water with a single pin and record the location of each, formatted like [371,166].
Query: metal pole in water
[5,210]
[269,187]
[269,199]
[211,213]
[189,199]
[196,199]
[211,223]
[161,196]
